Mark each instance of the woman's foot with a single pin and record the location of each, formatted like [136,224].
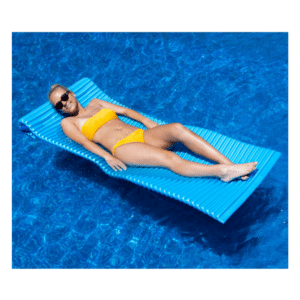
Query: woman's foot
[230,172]
[242,177]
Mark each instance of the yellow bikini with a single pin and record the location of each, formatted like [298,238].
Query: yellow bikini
[135,137]
[91,126]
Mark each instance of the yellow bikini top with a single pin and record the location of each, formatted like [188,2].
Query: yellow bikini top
[91,125]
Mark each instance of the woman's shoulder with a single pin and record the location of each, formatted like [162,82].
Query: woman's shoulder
[67,121]
[95,103]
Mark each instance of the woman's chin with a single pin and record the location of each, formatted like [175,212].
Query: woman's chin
[73,112]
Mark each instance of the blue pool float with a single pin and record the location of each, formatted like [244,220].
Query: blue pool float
[209,195]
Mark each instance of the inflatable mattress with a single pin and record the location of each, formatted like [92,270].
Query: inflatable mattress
[209,195]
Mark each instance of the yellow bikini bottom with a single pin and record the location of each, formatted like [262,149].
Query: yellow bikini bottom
[135,137]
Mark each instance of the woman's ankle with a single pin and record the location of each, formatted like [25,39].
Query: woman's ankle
[219,170]
[226,161]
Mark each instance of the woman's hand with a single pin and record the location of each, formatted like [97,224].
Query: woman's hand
[150,124]
[115,163]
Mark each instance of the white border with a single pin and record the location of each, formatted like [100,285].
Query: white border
[150,16]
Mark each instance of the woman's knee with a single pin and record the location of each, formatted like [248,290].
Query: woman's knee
[164,158]
[170,159]
[177,130]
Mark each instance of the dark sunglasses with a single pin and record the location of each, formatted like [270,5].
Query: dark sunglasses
[64,97]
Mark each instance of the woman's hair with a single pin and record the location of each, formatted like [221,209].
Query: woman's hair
[54,87]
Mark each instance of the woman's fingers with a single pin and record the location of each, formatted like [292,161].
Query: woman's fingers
[116,164]
[120,166]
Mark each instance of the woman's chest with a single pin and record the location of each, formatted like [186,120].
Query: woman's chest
[90,113]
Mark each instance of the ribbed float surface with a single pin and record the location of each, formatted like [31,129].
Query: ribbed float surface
[210,195]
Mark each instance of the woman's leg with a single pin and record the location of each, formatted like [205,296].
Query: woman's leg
[140,154]
[176,132]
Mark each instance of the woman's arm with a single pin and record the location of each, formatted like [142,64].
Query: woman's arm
[130,113]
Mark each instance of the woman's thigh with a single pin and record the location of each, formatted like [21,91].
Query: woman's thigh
[163,136]
[141,154]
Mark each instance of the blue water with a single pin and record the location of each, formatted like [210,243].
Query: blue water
[68,214]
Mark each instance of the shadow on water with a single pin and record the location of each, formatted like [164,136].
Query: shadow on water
[193,225]
[229,238]
[66,161]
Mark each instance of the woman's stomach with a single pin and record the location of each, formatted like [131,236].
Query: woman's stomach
[112,132]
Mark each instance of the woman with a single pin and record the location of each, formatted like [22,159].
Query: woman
[129,145]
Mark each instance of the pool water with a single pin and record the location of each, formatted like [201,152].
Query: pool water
[67,213]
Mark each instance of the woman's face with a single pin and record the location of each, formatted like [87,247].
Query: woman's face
[69,106]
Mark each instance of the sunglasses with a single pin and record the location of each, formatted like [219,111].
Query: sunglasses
[64,97]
